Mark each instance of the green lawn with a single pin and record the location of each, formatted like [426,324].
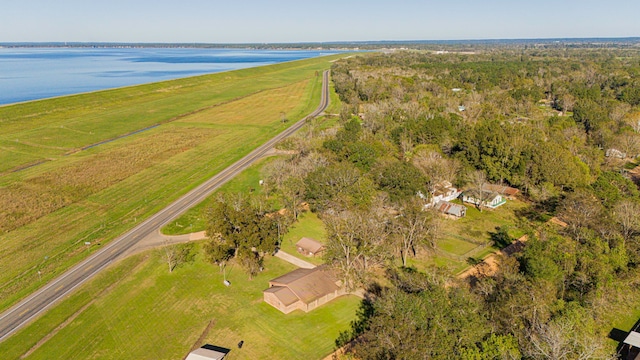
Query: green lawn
[94,195]
[477,225]
[308,225]
[148,313]
[52,127]
[456,246]
[464,235]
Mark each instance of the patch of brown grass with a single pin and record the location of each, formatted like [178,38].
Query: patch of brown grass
[27,201]
[258,109]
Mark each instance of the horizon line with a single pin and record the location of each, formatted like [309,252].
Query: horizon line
[422,41]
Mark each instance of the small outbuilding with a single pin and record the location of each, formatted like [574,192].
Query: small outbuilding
[309,247]
[303,289]
[208,352]
[451,209]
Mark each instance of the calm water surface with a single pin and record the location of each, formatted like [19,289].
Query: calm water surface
[31,74]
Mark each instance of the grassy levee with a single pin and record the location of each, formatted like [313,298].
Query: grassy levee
[45,129]
[138,310]
[49,211]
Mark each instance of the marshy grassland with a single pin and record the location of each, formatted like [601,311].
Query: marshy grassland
[58,193]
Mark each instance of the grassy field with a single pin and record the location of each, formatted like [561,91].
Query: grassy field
[476,227]
[138,310]
[465,237]
[50,210]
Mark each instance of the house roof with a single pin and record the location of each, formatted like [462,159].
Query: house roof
[443,188]
[633,339]
[310,245]
[450,208]
[489,195]
[208,352]
[306,284]
[284,294]
[501,189]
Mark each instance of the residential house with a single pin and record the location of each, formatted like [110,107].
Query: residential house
[506,191]
[303,289]
[483,198]
[309,247]
[443,191]
[451,209]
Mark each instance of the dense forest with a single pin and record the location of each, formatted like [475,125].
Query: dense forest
[561,125]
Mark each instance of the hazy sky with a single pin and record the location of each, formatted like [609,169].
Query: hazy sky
[212,21]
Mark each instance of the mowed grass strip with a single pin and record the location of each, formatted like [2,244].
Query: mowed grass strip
[40,249]
[153,314]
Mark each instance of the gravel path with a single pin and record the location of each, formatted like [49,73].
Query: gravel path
[293,260]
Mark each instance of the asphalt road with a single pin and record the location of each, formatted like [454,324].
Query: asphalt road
[38,302]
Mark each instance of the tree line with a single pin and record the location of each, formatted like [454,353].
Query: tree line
[539,120]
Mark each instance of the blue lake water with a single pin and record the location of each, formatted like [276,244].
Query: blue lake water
[38,73]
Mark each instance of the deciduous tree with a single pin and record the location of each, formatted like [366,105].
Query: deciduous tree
[414,227]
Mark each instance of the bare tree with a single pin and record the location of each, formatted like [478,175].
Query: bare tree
[478,181]
[629,143]
[627,215]
[414,227]
[177,254]
[355,244]
[579,209]
[633,120]
[619,112]
[564,339]
[435,167]
[549,341]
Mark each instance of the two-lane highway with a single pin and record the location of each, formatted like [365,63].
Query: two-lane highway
[34,305]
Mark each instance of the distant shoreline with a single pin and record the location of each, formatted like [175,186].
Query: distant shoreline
[331,45]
